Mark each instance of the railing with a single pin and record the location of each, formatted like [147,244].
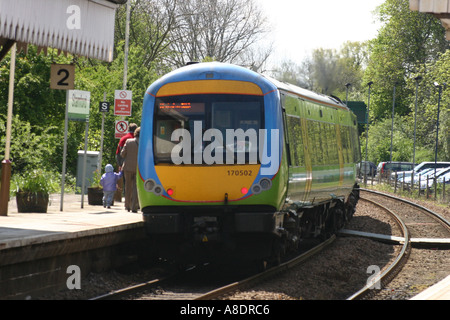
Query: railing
[424,186]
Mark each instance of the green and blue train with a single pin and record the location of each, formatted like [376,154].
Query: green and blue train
[233,164]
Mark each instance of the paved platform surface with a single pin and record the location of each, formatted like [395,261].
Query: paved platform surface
[19,229]
[440,291]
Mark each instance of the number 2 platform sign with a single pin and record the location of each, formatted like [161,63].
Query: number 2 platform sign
[62,76]
[122,103]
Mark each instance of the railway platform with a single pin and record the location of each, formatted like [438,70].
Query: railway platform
[36,249]
[440,291]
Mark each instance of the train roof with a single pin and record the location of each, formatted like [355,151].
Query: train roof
[225,71]
[307,94]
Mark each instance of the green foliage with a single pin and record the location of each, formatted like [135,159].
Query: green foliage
[407,40]
[31,146]
[37,180]
[408,44]
[94,182]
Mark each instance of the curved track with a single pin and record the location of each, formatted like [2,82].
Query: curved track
[181,286]
[395,267]
[426,226]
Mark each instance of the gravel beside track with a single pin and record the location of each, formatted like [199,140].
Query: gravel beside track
[339,271]
[334,274]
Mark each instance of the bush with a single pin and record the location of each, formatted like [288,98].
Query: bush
[34,181]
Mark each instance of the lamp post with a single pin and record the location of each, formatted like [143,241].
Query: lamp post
[392,126]
[347,85]
[418,78]
[367,132]
[437,85]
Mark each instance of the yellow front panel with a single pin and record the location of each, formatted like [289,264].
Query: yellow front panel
[207,183]
[209,87]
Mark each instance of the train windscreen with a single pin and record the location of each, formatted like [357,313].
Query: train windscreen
[207,129]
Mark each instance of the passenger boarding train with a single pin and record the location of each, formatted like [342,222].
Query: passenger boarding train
[235,165]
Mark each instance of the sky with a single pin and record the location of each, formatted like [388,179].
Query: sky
[300,26]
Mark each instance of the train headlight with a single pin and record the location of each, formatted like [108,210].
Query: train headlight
[265,183]
[149,185]
[158,190]
[256,189]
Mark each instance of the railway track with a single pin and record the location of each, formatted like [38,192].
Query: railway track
[410,225]
[422,228]
[389,272]
[185,285]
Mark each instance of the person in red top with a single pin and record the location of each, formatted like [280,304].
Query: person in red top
[130,135]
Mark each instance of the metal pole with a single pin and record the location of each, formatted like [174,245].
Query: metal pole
[437,135]
[415,119]
[83,183]
[127,36]
[346,95]
[418,78]
[392,126]
[99,166]
[367,132]
[6,164]
[63,175]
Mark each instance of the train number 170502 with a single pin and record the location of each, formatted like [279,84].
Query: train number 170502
[240,173]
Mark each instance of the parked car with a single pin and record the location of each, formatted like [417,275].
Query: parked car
[385,168]
[419,168]
[367,167]
[445,177]
[439,173]
[420,175]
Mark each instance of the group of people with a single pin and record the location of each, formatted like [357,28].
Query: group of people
[126,157]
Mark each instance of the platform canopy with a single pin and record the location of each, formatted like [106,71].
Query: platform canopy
[439,8]
[83,27]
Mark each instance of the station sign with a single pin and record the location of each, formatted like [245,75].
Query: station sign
[121,128]
[122,103]
[103,106]
[78,105]
[62,76]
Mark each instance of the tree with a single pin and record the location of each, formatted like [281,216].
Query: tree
[328,70]
[407,40]
[220,29]
[152,25]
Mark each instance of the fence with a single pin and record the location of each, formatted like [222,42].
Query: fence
[424,186]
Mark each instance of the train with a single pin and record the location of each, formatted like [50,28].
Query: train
[235,165]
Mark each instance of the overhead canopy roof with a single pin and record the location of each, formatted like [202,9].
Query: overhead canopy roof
[439,8]
[83,27]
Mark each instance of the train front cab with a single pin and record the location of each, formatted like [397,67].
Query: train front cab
[198,209]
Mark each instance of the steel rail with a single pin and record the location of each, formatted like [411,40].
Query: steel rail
[440,218]
[387,275]
[214,294]
[117,294]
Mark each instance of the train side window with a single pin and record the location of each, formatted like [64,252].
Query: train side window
[287,138]
[345,144]
[332,144]
[296,141]
[315,143]
[291,106]
[325,143]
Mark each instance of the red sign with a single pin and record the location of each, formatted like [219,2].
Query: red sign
[122,103]
[121,128]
